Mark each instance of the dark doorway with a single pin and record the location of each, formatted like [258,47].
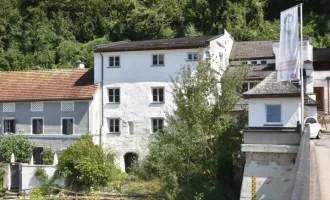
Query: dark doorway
[37,155]
[130,158]
[14,170]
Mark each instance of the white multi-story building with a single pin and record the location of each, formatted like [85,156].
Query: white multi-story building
[135,80]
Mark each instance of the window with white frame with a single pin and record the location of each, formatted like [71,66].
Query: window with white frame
[8,107]
[9,125]
[158,59]
[67,126]
[114,125]
[248,85]
[114,95]
[273,113]
[37,106]
[158,95]
[192,56]
[67,106]
[157,124]
[254,62]
[114,61]
[37,125]
[263,62]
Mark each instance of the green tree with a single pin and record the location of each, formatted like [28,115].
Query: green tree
[85,164]
[186,154]
[17,144]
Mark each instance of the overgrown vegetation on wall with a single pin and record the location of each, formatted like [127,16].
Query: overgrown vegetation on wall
[56,34]
[17,144]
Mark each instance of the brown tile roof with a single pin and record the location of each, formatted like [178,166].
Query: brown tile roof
[47,85]
[252,50]
[174,43]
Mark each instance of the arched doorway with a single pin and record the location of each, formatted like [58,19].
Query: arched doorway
[129,159]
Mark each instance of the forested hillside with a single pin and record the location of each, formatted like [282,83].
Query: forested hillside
[57,33]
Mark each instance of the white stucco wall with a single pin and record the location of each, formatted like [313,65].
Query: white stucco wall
[135,78]
[290,111]
[95,116]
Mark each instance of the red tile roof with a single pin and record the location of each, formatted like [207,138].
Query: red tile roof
[47,85]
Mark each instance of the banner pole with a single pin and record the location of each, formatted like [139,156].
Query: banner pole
[301,71]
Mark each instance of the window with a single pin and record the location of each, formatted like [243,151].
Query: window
[67,126]
[37,155]
[8,107]
[114,95]
[67,106]
[157,124]
[114,61]
[158,59]
[254,62]
[192,56]
[37,106]
[114,125]
[37,125]
[273,113]
[158,95]
[244,63]
[131,128]
[263,62]
[248,85]
[9,126]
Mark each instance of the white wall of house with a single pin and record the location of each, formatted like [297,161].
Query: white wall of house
[290,111]
[95,116]
[136,77]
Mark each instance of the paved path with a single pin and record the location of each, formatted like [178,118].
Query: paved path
[320,169]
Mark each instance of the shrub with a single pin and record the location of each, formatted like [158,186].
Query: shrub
[48,156]
[85,164]
[17,144]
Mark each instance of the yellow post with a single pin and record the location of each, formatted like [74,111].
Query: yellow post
[254,185]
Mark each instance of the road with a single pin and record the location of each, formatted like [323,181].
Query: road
[320,168]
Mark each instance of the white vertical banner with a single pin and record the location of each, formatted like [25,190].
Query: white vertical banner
[289,49]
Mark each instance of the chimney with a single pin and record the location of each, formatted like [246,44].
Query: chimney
[80,65]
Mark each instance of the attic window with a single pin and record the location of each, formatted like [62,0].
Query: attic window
[8,107]
[67,106]
[254,62]
[264,62]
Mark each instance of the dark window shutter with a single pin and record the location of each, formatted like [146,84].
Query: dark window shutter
[37,155]
[34,126]
[65,127]
[13,125]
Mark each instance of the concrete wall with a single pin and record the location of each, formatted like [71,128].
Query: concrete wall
[290,111]
[28,180]
[51,114]
[272,171]
[95,116]
[272,137]
[135,78]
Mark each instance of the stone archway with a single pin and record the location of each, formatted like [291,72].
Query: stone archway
[129,159]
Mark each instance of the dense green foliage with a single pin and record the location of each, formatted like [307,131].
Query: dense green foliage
[85,164]
[48,156]
[17,144]
[56,34]
[195,155]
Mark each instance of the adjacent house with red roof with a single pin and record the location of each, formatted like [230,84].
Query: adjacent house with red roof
[52,107]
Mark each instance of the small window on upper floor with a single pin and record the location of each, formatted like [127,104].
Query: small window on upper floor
[114,125]
[192,56]
[8,107]
[158,60]
[157,124]
[114,61]
[67,126]
[263,62]
[273,113]
[158,95]
[9,125]
[254,62]
[244,63]
[114,95]
[37,125]
[67,106]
